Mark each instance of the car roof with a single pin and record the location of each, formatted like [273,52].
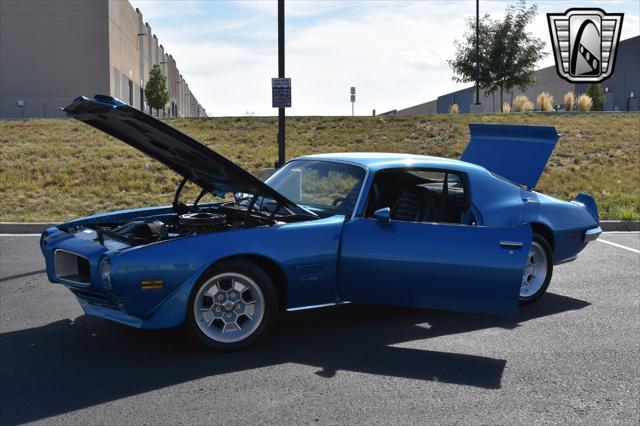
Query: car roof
[375,161]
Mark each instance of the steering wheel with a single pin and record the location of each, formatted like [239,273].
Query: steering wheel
[337,201]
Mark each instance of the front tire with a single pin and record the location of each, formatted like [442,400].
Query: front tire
[232,306]
[537,272]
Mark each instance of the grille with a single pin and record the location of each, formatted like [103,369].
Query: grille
[98,299]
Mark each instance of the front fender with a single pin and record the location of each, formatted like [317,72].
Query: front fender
[305,251]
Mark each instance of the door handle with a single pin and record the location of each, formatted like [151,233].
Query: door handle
[511,244]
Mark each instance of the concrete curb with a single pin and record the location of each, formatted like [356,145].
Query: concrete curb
[24,227]
[620,225]
[38,227]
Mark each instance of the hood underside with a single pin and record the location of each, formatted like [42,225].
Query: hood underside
[517,153]
[181,153]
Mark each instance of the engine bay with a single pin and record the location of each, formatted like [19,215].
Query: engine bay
[144,231]
[182,220]
[159,227]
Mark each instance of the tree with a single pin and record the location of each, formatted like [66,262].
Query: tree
[597,96]
[508,53]
[464,63]
[156,92]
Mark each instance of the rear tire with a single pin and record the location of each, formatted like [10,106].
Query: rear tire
[232,305]
[538,271]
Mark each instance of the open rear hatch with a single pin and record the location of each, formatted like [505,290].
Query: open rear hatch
[181,153]
[517,153]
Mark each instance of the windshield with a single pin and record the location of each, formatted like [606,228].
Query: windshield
[326,188]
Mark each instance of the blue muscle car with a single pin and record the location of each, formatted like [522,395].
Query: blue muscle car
[395,229]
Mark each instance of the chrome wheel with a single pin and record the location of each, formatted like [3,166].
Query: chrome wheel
[228,307]
[535,271]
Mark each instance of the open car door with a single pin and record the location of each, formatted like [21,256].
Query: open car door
[433,265]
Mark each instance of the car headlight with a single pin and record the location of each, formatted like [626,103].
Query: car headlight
[105,272]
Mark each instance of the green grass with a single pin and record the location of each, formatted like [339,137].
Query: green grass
[60,169]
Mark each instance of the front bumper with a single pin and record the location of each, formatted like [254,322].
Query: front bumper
[592,234]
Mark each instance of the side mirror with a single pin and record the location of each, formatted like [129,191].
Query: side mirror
[383,215]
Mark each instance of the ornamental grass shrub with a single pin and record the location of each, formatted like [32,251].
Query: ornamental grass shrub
[522,104]
[569,101]
[545,102]
[585,103]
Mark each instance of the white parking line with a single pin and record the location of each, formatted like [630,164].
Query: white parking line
[20,235]
[619,245]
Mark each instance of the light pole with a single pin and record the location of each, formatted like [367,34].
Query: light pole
[281,114]
[477,52]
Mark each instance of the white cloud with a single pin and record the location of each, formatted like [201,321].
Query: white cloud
[294,8]
[158,9]
[394,52]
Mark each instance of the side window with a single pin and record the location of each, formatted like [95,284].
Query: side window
[420,195]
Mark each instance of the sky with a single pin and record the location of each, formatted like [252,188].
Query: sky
[394,52]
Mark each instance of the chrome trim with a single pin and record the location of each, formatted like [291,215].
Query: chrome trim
[324,305]
[592,234]
[64,280]
[511,244]
[365,182]
[567,260]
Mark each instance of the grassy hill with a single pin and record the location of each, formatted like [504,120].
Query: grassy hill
[61,169]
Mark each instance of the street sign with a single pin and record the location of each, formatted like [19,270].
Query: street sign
[353,98]
[281,92]
[353,90]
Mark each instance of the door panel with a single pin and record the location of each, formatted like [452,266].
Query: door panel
[430,265]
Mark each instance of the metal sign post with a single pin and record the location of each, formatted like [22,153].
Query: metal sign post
[281,115]
[478,53]
[353,99]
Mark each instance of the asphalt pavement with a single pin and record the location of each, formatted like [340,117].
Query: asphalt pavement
[572,357]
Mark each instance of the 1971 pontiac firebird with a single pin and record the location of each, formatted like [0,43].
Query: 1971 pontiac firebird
[410,230]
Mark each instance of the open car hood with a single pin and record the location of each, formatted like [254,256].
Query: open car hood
[517,153]
[182,154]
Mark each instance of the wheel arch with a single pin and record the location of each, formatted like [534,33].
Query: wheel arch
[546,232]
[269,266]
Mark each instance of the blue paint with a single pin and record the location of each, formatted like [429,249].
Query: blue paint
[337,259]
[429,265]
[518,153]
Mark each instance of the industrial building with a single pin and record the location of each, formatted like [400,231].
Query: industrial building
[51,51]
[621,89]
